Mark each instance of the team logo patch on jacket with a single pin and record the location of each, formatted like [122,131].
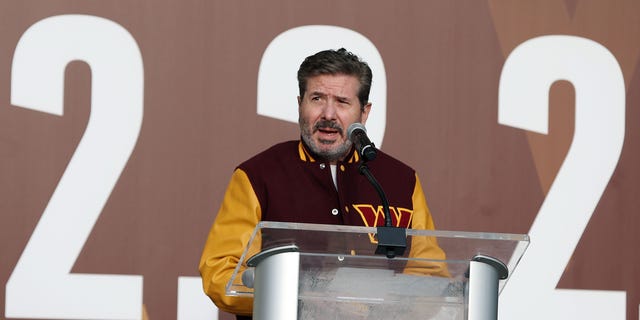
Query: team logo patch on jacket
[373,217]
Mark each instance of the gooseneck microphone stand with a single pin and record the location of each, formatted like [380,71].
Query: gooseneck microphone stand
[392,240]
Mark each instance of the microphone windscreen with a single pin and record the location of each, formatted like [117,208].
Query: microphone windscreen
[353,127]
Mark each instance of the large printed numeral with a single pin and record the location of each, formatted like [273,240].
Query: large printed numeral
[277,82]
[193,303]
[41,285]
[595,150]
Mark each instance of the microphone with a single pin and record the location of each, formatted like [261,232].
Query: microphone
[357,133]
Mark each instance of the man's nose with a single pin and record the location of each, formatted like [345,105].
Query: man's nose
[329,110]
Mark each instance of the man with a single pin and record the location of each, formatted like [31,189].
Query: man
[315,179]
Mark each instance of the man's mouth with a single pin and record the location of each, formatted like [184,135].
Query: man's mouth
[329,131]
[328,136]
[328,128]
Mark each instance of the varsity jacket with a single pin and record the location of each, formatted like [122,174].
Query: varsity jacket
[285,183]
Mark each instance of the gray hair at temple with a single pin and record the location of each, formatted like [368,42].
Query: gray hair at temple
[332,62]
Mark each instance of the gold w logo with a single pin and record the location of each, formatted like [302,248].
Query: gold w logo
[373,217]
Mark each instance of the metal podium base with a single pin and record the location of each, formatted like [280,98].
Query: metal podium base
[275,283]
[484,274]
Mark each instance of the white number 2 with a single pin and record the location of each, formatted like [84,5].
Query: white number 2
[277,82]
[41,285]
[595,150]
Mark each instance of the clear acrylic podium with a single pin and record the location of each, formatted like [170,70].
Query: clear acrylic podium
[314,271]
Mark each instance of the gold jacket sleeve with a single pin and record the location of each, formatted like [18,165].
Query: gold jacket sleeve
[239,214]
[424,247]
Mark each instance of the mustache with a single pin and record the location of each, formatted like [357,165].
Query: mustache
[328,124]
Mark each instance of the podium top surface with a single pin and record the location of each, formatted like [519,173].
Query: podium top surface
[334,249]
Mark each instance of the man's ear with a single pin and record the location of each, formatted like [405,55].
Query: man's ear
[365,113]
[299,101]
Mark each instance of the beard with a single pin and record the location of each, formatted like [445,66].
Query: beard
[334,154]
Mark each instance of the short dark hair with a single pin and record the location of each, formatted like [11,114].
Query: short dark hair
[334,62]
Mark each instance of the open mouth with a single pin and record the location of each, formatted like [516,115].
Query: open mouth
[329,131]
[328,135]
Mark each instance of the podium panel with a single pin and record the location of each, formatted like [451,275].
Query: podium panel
[337,274]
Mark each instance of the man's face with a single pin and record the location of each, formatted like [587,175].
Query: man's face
[330,104]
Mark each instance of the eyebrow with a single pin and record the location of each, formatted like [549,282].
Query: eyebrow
[317,93]
[322,94]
